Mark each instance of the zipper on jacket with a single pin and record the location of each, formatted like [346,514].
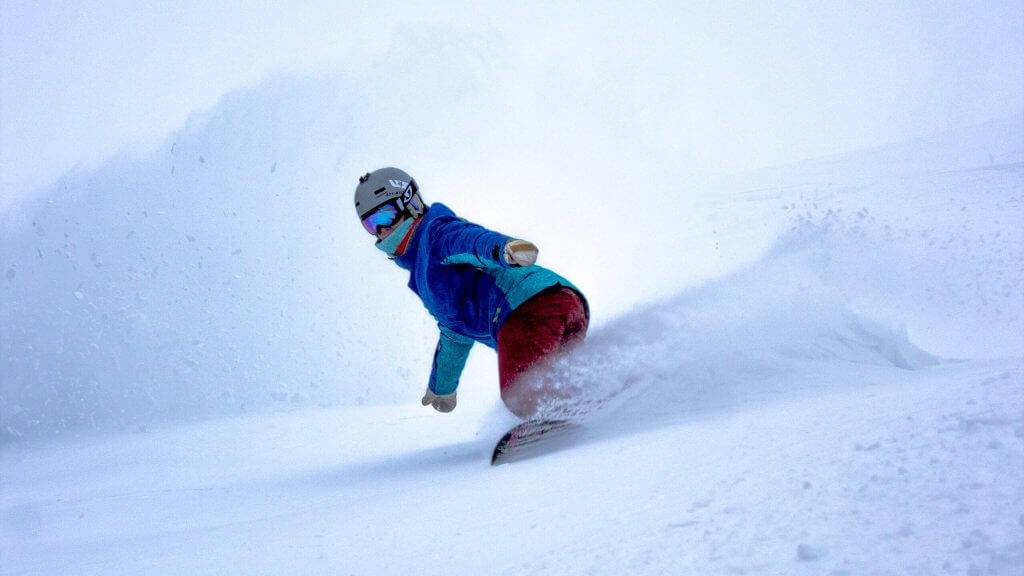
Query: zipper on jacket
[496,314]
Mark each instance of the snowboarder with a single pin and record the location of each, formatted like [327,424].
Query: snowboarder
[480,286]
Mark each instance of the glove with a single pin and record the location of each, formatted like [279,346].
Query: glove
[444,403]
[520,253]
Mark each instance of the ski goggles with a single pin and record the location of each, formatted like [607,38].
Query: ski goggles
[389,213]
[383,216]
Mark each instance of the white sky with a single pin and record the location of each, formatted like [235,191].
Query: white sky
[725,85]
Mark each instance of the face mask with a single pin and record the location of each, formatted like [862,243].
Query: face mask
[390,244]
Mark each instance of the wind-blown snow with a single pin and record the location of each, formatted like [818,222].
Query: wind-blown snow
[847,400]
[224,274]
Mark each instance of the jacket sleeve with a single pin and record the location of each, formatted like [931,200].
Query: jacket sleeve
[468,243]
[449,360]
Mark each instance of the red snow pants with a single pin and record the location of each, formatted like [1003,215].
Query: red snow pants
[533,333]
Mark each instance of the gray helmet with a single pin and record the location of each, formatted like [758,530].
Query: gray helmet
[382,186]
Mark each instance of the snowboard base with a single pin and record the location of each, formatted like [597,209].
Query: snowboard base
[531,438]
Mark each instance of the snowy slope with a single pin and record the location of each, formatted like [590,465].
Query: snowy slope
[849,401]
[916,474]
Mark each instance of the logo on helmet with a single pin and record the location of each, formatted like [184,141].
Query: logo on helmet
[398,184]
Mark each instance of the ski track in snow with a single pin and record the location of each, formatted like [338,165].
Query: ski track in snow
[851,402]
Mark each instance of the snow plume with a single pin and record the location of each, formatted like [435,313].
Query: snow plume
[226,273]
[834,295]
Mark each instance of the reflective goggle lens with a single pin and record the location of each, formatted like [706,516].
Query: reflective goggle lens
[383,217]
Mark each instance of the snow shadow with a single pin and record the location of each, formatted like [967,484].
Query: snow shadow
[400,466]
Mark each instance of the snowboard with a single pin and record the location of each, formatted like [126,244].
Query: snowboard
[559,427]
[531,438]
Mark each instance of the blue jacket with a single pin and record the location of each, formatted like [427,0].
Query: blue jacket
[458,270]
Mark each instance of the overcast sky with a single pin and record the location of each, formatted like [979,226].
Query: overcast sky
[726,85]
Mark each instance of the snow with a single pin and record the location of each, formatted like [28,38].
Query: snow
[846,397]
[895,475]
